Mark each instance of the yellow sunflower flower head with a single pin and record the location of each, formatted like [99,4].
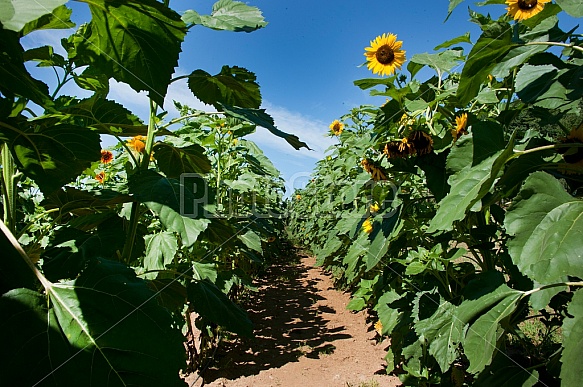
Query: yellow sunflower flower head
[461,123]
[378,326]
[525,9]
[384,55]
[374,207]
[367,226]
[298,197]
[336,127]
[137,143]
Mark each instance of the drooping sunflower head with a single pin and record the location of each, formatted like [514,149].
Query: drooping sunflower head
[106,156]
[367,226]
[100,177]
[384,55]
[525,9]
[137,143]
[336,127]
[421,142]
[573,156]
[366,164]
[461,124]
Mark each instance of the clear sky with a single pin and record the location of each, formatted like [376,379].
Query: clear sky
[306,60]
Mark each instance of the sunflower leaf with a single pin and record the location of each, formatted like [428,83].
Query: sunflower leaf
[52,154]
[137,43]
[573,342]
[228,15]
[174,161]
[572,7]
[211,303]
[234,86]
[14,14]
[546,224]
[493,44]
[259,117]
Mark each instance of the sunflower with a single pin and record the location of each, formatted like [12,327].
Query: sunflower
[367,226]
[573,156]
[137,143]
[461,124]
[298,197]
[384,54]
[398,149]
[100,177]
[375,171]
[421,142]
[374,207]
[106,156]
[378,326]
[525,9]
[336,127]
[366,164]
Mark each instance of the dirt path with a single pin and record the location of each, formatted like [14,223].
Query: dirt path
[304,337]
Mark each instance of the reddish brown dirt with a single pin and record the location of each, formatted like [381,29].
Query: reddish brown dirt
[304,336]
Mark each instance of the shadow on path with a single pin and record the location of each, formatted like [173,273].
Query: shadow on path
[287,325]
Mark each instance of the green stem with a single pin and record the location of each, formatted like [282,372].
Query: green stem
[141,166]
[559,44]
[518,153]
[9,179]
[526,294]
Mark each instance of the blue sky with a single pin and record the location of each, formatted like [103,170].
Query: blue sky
[306,60]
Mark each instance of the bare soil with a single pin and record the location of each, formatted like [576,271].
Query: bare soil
[304,336]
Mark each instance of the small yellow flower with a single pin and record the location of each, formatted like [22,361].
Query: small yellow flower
[378,326]
[461,123]
[367,226]
[298,197]
[374,207]
[384,55]
[100,177]
[525,9]
[235,141]
[106,156]
[137,143]
[336,127]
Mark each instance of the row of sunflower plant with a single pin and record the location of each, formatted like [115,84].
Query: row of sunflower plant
[112,258]
[452,212]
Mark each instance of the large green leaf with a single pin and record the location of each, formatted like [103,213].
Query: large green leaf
[251,240]
[59,18]
[108,117]
[52,154]
[468,186]
[382,237]
[228,15]
[494,43]
[443,61]
[211,303]
[506,372]
[572,7]
[137,43]
[545,224]
[14,14]
[175,161]
[15,80]
[259,117]
[480,341]
[233,86]
[168,198]
[160,250]
[125,336]
[573,342]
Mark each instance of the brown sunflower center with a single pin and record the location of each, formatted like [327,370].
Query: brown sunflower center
[385,54]
[525,5]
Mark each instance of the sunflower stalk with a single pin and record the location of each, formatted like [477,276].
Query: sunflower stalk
[9,181]
[142,165]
